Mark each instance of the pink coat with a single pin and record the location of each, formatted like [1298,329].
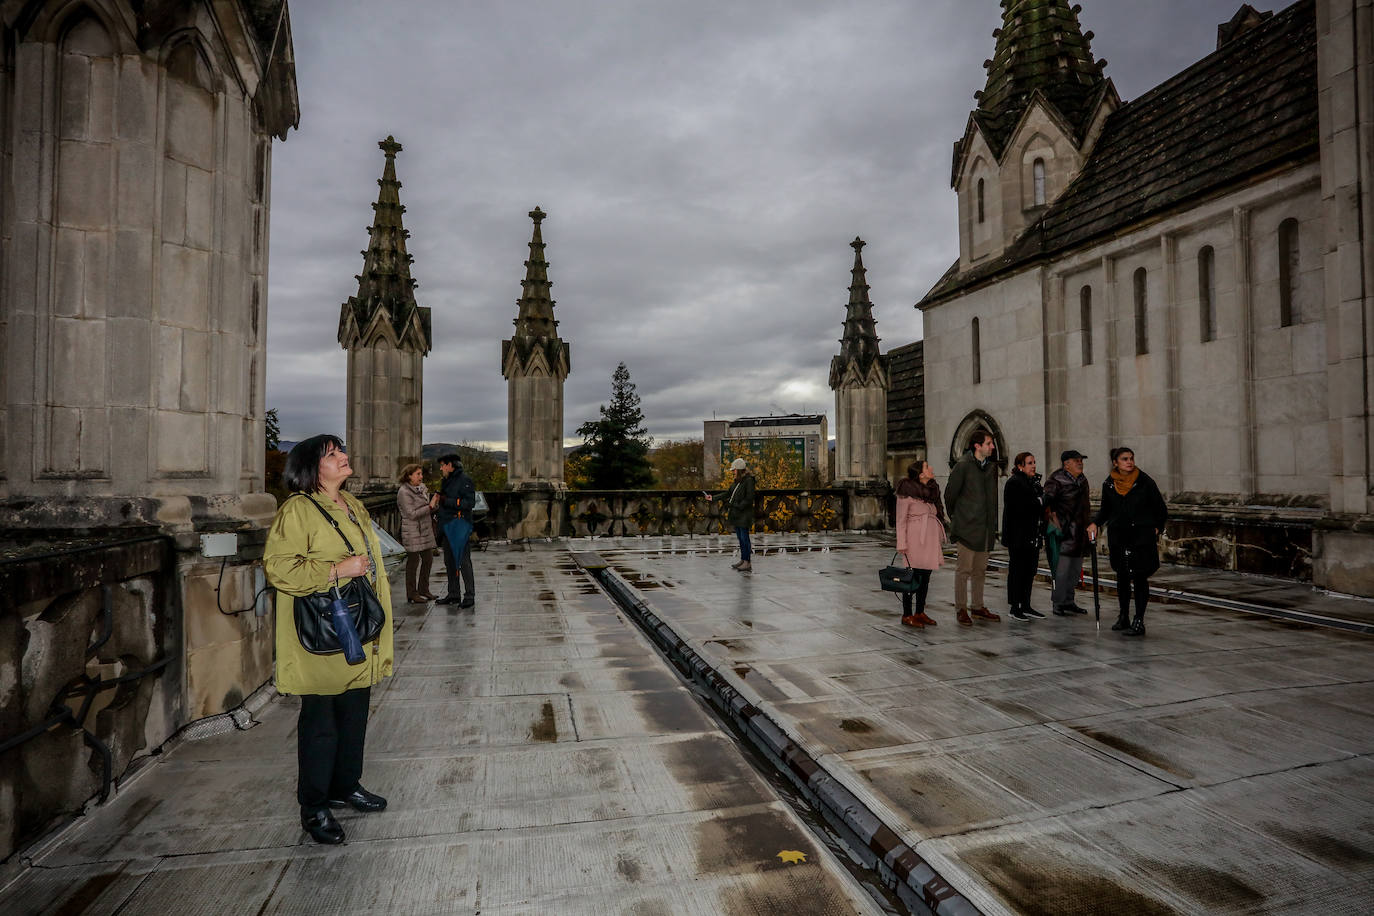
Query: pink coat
[920,536]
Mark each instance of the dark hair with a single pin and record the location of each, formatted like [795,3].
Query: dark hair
[302,471]
[452,459]
[914,469]
[979,437]
[407,471]
[1021,458]
[1121,450]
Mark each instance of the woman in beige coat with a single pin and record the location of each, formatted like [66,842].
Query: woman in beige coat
[417,532]
[304,554]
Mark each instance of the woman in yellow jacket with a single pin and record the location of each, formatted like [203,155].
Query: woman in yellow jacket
[304,555]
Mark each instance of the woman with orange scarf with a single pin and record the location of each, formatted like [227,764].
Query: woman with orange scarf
[1134,514]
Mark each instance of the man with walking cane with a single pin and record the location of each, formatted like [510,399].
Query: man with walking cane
[1097,602]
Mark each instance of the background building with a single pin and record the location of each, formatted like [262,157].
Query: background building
[1188,273]
[805,434]
[906,409]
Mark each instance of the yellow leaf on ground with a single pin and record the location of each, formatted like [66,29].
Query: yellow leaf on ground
[792,856]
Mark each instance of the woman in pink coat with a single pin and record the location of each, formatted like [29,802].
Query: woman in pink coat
[920,535]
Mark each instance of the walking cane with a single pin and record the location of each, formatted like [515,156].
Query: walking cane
[1097,602]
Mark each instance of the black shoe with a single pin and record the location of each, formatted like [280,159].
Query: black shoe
[467,602]
[361,800]
[322,827]
[447,599]
[1019,614]
[1121,624]
[1033,613]
[1061,611]
[1075,609]
[1136,629]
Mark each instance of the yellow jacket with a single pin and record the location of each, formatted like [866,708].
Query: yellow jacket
[300,548]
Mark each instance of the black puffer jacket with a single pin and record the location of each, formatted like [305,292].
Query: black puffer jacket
[1023,511]
[1133,524]
[1067,497]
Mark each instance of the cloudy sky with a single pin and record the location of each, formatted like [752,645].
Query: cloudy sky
[704,166]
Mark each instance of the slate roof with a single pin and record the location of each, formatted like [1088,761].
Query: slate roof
[906,400]
[1244,110]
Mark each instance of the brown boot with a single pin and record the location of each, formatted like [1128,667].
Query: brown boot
[925,619]
[983,613]
[912,621]
[963,618]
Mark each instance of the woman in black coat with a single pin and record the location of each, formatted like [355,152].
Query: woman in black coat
[1023,529]
[1134,514]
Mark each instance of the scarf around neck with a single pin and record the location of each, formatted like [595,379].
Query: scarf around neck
[1124,482]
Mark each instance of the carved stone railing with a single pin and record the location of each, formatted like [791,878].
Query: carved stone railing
[91,671]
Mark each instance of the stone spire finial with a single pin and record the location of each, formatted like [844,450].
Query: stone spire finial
[859,344]
[1040,47]
[385,283]
[535,319]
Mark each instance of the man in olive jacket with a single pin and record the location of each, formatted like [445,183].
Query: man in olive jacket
[971,501]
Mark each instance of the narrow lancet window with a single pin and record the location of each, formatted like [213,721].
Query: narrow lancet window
[1142,340]
[1290,312]
[1038,181]
[977,354]
[1207,293]
[1085,318]
[980,200]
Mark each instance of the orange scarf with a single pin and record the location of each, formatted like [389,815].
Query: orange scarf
[1124,482]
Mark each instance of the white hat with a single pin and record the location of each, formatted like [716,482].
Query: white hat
[738,465]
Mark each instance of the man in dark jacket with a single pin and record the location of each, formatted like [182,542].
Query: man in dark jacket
[971,501]
[1066,504]
[455,499]
[1023,525]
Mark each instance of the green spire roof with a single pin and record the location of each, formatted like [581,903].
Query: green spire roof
[859,345]
[385,282]
[1040,47]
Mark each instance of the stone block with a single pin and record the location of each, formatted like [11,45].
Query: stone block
[129,448]
[205,624]
[200,208]
[95,292]
[137,94]
[131,361]
[218,675]
[173,202]
[182,443]
[184,287]
[74,99]
[85,182]
[195,371]
[78,376]
[190,120]
[132,275]
[136,203]
[100,121]
[95,440]
[68,272]
[1344,562]
[1273,354]
[1275,454]
[61,452]
[168,367]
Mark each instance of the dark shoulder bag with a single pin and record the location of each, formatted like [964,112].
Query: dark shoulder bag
[314,613]
[898,578]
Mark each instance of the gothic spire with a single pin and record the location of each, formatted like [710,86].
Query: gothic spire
[385,283]
[1040,46]
[536,307]
[859,345]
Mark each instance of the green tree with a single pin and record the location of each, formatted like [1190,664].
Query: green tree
[273,431]
[678,465]
[617,445]
[485,469]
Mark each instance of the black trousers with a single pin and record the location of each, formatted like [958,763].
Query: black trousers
[451,568]
[330,734]
[1129,586]
[919,596]
[1021,564]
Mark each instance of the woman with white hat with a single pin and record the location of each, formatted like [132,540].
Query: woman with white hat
[739,504]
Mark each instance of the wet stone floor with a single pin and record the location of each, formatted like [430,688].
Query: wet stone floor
[538,756]
[1221,764]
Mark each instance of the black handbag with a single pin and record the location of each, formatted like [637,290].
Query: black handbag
[314,613]
[898,578]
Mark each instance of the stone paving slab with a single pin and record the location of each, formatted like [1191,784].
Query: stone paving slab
[538,756]
[1221,764]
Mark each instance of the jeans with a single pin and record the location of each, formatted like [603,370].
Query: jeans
[744,551]
[1066,576]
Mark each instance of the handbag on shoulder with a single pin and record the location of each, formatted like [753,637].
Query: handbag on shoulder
[897,578]
[315,620]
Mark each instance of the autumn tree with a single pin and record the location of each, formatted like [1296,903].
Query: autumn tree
[776,466]
[678,465]
[617,445]
[482,465]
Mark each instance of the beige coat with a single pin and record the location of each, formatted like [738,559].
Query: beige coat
[301,546]
[417,527]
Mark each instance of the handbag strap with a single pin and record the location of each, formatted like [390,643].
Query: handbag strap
[895,555]
[347,542]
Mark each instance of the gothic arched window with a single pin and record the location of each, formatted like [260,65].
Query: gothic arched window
[1038,181]
[1142,340]
[980,200]
[1085,318]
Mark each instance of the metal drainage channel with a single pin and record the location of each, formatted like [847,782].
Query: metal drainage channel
[897,866]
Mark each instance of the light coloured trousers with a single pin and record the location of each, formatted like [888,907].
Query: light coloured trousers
[972,569]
